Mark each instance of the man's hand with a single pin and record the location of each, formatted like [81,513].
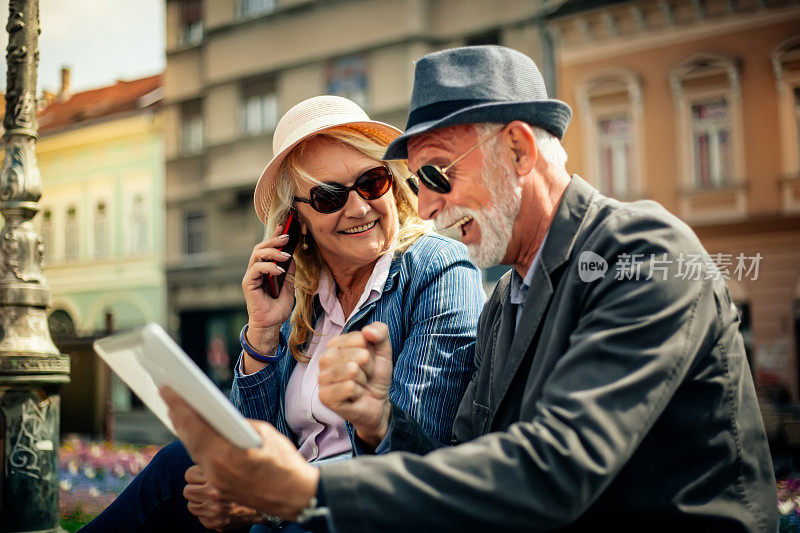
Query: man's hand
[273,478]
[205,503]
[354,378]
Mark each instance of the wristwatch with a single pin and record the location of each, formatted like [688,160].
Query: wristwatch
[273,521]
[310,512]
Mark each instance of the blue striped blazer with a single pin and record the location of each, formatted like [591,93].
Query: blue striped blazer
[430,302]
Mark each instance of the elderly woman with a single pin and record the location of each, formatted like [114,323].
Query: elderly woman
[364,256]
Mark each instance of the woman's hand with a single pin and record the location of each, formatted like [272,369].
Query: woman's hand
[205,503]
[266,314]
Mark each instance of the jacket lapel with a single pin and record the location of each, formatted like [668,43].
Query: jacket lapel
[510,352]
[512,344]
[504,336]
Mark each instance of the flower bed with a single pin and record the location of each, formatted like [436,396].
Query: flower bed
[91,474]
[789,505]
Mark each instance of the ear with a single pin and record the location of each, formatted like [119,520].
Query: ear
[519,138]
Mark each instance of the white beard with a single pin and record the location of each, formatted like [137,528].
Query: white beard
[496,220]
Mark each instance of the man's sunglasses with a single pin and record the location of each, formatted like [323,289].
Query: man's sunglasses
[331,197]
[435,177]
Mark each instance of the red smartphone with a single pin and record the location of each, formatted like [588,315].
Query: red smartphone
[273,284]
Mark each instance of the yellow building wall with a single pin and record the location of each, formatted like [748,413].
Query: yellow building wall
[108,161]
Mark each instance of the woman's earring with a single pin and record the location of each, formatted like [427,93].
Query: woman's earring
[304,237]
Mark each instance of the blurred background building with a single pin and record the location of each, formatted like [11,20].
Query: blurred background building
[147,210]
[234,67]
[696,104]
[101,157]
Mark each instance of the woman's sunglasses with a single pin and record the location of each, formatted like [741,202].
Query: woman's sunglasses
[331,197]
[435,177]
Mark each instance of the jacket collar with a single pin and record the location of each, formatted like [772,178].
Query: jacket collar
[555,252]
[394,270]
[561,234]
[563,231]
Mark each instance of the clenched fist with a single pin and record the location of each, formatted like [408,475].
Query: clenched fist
[354,378]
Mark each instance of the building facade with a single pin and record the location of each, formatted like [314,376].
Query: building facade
[101,157]
[234,67]
[696,104]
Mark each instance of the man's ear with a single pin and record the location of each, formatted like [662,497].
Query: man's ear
[519,138]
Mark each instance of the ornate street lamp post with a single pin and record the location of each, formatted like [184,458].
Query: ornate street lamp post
[31,368]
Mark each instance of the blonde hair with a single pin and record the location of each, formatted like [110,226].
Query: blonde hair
[309,263]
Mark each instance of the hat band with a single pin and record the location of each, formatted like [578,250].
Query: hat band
[438,110]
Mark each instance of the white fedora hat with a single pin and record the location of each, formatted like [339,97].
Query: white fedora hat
[311,116]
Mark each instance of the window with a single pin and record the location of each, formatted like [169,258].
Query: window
[252,8]
[614,152]
[259,106]
[138,225]
[191,22]
[194,232]
[61,324]
[711,143]
[611,118]
[347,77]
[192,127]
[47,235]
[100,231]
[71,234]
[786,67]
[797,120]
[707,90]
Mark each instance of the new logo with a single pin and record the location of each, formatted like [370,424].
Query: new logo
[591,266]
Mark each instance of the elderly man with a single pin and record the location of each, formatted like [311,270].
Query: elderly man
[612,390]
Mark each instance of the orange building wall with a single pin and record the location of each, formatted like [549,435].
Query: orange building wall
[759,106]
[766,230]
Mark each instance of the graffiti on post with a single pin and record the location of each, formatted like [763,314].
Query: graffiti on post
[34,442]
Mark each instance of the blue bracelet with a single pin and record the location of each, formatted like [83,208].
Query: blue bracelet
[258,356]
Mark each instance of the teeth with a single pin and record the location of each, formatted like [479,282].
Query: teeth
[359,229]
[460,222]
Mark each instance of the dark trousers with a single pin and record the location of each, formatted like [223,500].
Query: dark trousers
[154,499]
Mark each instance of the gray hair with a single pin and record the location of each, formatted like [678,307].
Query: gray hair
[548,144]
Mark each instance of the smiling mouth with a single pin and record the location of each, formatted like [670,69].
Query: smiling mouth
[460,223]
[360,229]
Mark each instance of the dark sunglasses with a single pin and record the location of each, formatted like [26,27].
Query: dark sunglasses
[330,197]
[435,177]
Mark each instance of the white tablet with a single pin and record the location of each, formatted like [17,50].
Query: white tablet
[147,358]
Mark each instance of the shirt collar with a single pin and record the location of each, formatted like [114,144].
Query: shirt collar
[519,286]
[326,289]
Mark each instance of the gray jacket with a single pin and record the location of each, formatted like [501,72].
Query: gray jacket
[624,402]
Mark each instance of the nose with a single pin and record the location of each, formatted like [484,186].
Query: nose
[429,203]
[356,206]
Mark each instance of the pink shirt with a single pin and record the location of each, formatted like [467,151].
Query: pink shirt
[321,431]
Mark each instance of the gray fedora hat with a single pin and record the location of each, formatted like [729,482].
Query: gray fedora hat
[478,84]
